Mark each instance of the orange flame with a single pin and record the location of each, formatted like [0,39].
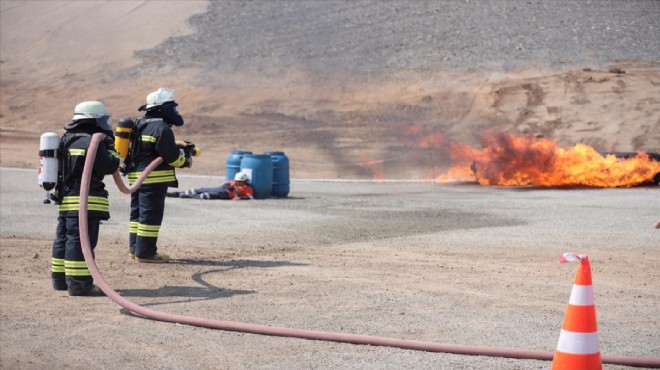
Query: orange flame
[374,166]
[507,160]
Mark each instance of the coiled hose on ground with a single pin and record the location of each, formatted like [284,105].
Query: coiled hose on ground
[281,331]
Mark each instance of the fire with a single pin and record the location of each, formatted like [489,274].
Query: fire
[375,166]
[507,160]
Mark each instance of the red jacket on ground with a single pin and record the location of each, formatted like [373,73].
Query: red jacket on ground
[240,190]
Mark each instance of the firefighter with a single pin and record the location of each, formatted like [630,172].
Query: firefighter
[238,189]
[152,138]
[69,270]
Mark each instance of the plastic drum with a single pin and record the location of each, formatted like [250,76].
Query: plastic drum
[281,181]
[260,170]
[234,163]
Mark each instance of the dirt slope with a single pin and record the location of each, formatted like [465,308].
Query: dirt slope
[293,76]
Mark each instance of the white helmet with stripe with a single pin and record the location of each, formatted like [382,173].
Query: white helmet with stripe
[242,176]
[95,110]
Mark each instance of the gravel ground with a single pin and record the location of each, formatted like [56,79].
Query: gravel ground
[453,263]
[362,39]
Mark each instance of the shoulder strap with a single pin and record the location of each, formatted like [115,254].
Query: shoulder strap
[65,144]
[136,142]
[64,171]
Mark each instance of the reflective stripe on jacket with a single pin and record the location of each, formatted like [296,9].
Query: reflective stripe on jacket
[106,163]
[156,140]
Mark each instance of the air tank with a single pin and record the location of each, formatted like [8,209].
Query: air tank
[48,164]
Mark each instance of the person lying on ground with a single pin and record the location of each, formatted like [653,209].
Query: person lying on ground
[237,189]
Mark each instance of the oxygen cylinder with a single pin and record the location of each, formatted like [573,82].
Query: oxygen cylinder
[48,164]
[123,136]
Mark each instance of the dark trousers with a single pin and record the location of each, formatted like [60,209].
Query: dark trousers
[68,267]
[219,192]
[147,211]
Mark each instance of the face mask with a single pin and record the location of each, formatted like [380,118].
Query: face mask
[105,123]
[170,113]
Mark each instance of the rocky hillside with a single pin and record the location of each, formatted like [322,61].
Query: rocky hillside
[345,88]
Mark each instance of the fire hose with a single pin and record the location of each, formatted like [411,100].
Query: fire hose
[283,331]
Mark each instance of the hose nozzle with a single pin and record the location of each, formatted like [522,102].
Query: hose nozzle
[189,149]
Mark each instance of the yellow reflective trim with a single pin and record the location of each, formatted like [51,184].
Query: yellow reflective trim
[70,200]
[62,208]
[179,161]
[147,234]
[57,264]
[77,152]
[76,272]
[98,208]
[94,203]
[148,227]
[149,139]
[113,153]
[155,177]
[75,264]
[148,231]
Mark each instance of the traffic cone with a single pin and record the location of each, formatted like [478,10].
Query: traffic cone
[578,342]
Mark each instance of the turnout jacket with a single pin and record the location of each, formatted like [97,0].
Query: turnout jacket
[75,145]
[154,138]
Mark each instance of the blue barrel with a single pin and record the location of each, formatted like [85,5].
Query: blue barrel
[260,169]
[281,181]
[234,163]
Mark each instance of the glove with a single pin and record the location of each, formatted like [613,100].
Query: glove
[109,142]
[123,170]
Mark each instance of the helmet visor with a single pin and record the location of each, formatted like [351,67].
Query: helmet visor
[105,122]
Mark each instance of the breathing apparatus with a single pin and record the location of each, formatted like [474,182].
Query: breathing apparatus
[123,133]
[51,152]
[48,161]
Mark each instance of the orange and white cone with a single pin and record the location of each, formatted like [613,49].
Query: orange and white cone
[578,347]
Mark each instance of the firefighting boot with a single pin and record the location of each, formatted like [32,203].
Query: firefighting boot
[156,258]
[59,281]
[59,284]
[93,292]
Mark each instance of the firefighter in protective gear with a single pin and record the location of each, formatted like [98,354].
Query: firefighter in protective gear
[68,268]
[153,138]
[237,189]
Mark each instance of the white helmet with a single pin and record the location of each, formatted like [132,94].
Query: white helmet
[90,109]
[242,176]
[95,110]
[159,97]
